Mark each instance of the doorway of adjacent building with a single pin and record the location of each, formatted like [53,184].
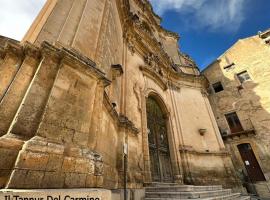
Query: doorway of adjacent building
[252,166]
[160,161]
[234,122]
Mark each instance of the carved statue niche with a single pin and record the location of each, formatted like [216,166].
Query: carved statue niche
[137,89]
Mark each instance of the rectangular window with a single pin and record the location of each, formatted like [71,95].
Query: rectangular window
[243,76]
[234,122]
[217,87]
[267,40]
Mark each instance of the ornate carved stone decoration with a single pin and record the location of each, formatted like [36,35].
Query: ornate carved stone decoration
[138,88]
[121,120]
[152,62]
[117,70]
[204,92]
[153,70]
[173,86]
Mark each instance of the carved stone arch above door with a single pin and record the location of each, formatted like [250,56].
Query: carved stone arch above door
[161,101]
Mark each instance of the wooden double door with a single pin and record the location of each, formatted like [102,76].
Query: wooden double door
[161,170]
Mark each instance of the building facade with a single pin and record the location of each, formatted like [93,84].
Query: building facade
[240,98]
[94,80]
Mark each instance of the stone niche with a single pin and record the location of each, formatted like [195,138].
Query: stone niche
[48,142]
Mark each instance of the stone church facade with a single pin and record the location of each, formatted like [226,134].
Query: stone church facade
[241,105]
[94,77]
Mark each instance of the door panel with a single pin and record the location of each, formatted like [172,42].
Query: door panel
[158,143]
[166,166]
[154,165]
[252,166]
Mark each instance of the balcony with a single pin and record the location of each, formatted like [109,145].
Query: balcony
[245,129]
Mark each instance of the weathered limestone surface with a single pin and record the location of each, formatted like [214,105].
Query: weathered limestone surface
[48,147]
[82,95]
[66,194]
[250,100]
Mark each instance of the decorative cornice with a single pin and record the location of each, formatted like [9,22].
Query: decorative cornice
[79,61]
[190,150]
[153,74]
[13,47]
[31,50]
[57,54]
[189,62]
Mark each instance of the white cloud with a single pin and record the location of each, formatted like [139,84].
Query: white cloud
[213,15]
[16,16]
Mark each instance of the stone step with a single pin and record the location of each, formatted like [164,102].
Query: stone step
[182,188]
[244,198]
[235,196]
[188,195]
[159,184]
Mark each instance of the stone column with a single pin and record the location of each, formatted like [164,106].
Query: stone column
[94,129]
[28,115]
[176,138]
[146,156]
[14,94]
[186,176]
[9,67]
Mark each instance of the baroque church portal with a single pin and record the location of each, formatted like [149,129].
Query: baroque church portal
[93,80]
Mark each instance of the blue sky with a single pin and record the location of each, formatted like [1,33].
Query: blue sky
[207,28]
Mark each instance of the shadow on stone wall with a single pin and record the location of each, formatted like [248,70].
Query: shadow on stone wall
[249,102]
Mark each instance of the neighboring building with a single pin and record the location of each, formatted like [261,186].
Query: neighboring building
[94,77]
[240,98]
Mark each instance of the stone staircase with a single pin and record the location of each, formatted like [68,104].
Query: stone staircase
[173,191]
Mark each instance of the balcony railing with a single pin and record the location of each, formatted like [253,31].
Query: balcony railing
[247,129]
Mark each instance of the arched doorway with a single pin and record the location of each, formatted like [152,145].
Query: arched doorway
[251,164]
[161,170]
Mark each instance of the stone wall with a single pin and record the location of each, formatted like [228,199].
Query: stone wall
[67,118]
[250,99]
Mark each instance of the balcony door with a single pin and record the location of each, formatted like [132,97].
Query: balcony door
[234,122]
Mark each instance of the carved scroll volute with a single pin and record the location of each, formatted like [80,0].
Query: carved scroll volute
[129,39]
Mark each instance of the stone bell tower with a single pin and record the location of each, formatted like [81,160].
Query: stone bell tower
[80,25]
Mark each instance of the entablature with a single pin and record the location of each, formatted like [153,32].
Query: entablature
[121,120]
